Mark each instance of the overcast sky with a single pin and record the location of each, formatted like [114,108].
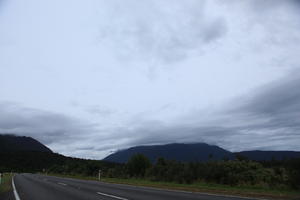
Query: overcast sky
[87,78]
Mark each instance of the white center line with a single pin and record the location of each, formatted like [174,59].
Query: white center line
[109,195]
[62,184]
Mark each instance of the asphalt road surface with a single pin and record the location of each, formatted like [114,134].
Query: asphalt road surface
[40,187]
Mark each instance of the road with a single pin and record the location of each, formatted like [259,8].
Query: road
[37,187]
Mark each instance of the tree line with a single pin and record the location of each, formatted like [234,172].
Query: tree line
[239,172]
[44,162]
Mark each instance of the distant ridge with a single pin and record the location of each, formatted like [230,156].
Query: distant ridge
[12,143]
[181,152]
[198,152]
[269,155]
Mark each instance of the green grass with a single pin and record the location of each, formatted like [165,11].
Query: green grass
[212,188]
[246,191]
[5,185]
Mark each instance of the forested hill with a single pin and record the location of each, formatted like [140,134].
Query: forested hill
[25,154]
[180,152]
[196,152]
[12,143]
[269,155]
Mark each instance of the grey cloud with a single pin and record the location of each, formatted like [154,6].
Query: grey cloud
[157,132]
[267,5]
[275,17]
[271,116]
[262,6]
[276,99]
[2,3]
[181,133]
[87,148]
[180,27]
[277,105]
[62,133]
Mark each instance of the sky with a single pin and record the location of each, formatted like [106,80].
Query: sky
[88,78]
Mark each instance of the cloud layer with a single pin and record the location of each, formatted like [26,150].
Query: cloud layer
[266,119]
[269,119]
[88,78]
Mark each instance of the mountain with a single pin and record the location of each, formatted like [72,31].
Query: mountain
[12,143]
[180,152]
[269,155]
[25,154]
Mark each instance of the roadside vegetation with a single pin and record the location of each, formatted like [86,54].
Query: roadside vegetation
[239,176]
[241,172]
[269,179]
[246,191]
[5,185]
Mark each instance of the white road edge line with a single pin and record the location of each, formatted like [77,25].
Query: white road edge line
[15,190]
[109,195]
[62,184]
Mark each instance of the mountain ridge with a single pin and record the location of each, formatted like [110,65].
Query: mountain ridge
[13,143]
[196,152]
[204,152]
[185,152]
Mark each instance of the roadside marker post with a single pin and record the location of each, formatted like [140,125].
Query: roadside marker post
[99,175]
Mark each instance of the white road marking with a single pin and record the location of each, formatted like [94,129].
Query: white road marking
[62,184]
[109,195]
[15,190]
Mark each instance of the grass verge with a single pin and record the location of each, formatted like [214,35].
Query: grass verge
[256,192]
[5,185]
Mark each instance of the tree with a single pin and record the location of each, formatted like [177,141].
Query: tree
[137,165]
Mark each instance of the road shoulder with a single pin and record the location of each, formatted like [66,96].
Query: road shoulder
[9,195]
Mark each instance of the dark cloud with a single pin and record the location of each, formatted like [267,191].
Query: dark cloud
[47,127]
[263,6]
[87,148]
[185,134]
[2,2]
[276,106]
[279,98]
[271,115]
[276,17]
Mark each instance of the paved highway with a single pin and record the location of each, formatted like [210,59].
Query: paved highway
[40,187]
